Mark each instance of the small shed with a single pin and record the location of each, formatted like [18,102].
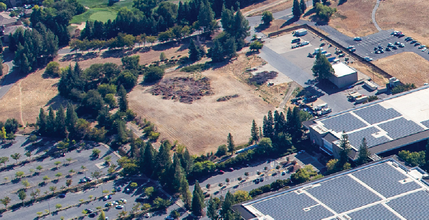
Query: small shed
[344,75]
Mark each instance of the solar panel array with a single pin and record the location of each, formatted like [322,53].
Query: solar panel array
[412,206]
[376,113]
[373,212]
[384,175]
[352,193]
[293,204]
[355,138]
[400,127]
[345,122]
[425,123]
[344,193]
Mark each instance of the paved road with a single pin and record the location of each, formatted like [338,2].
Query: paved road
[373,15]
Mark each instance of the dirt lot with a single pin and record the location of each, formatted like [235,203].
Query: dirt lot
[204,125]
[408,67]
[410,17]
[353,18]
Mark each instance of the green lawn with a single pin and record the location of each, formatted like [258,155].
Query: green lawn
[100,14]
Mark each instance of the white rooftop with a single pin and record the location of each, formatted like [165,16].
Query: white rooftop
[341,69]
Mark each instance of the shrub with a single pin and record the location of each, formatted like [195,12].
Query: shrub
[153,74]
[221,150]
[194,68]
[53,69]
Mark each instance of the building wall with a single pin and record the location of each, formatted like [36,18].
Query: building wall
[343,81]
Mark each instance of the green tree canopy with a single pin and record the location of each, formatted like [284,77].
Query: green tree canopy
[267,17]
[322,68]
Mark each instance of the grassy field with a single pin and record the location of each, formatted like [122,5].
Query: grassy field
[100,14]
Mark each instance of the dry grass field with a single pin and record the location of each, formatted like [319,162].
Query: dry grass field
[408,67]
[353,18]
[407,16]
[204,125]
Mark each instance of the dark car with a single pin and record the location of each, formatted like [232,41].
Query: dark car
[394,47]
[231,169]
[413,42]
[296,40]
[400,35]
[387,48]
[417,44]
[376,48]
[62,195]
[408,39]
[89,211]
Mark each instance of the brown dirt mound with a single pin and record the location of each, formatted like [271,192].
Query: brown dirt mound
[184,89]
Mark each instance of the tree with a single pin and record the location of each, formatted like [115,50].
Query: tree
[195,52]
[45,178]
[212,209]
[57,164]
[344,150]
[123,102]
[226,205]
[324,12]
[197,201]
[149,191]
[53,188]
[60,122]
[22,195]
[264,146]
[58,206]
[153,74]
[68,182]
[296,9]
[205,16]
[267,17]
[256,46]
[28,154]
[254,132]
[35,194]
[303,6]
[322,68]
[102,215]
[3,134]
[16,156]
[96,174]
[25,183]
[3,6]
[241,196]
[96,153]
[58,175]
[162,56]
[315,2]
[53,69]
[39,168]
[4,160]
[230,143]
[364,153]
[5,201]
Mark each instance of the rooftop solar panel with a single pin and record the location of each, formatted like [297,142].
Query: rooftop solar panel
[376,212]
[345,122]
[355,138]
[291,206]
[412,206]
[400,127]
[343,194]
[425,123]
[380,176]
[376,113]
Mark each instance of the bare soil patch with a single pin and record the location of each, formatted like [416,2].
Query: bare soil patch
[275,8]
[183,89]
[204,125]
[275,26]
[410,17]
[408,67]
[263,77]
[353,18]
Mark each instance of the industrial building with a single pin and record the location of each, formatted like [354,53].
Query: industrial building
[381,190]
[344,75]
[386,124]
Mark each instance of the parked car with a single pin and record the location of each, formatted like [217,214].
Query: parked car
[283,173]
[231,169]
[388,49]
[350,47]
[413,42]
[400,35]
[119,207]
[342,55]
[296,40]
[408,39]
[123,200]
[417,44]
[89,211]
[105,198]
[367,59]
[389,44]
[397,43]
[118,189]
[357,39]
[221,172]
[401,45]
[108,204]
[353,50]
[62,195]
[304,43]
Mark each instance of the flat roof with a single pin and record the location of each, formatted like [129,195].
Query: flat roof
[341,69]
[382,123]
[382,190]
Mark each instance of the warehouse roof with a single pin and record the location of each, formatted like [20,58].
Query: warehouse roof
[341,69]
[381,190]
[382,123]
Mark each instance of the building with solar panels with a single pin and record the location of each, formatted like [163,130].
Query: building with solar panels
[381,190]
[387,124]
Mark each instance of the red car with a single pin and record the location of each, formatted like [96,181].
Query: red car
[221,171]
[231,169]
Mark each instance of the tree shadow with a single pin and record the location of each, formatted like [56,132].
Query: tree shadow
[79,56]
[309,12]
[290,21]
[119,53]
[6,145]
[12,77]
[340,2]
[165,46]
[262,27]
[57,101]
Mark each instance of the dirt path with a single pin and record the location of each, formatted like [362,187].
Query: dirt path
[292,87]
[373,15]
[264,7]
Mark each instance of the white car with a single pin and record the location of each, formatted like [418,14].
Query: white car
[304,43]
[123,200]
[367,59]
[119,207]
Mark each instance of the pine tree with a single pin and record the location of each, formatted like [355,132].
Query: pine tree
[185,193]
[364,153]
[149,159]
[178,174]
[187,161]
[344,151]
[427,153]
[212,209]
[230,143]
[1,46]
[254,132]
[104,119]
[71,119]
[197,200]
[41,122]
[227,204]
[123,102]
[50,122]
[60,122]
[302,6]
[194,51]
[296,9]
[315,2]
[241,29]
[227,17]
[322,68]
[162,160]
[205,15]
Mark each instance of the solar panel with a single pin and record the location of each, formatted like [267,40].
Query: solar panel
[343,194]
[291,206]
[355,138]
[412,206]
[385,179]
[400,127]
[345,122]
[425,123]
[376,113]
[373,212]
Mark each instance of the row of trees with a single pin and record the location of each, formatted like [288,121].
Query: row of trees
[298,8]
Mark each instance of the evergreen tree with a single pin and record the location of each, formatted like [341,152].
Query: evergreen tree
[187,161]
[254,132]
[230,143]
[270,125]
[123,102]
[212,209]
[315,2]
[205,15]
[364,153]
[104,118]
[427,153]
[149,159]
[296,9]
[185,193]
[50,122]
[241,29]
[71,120]
[227,18]
[195,53]
[1,46]
[178,174]
[344,151]
[197,200]
[322,68]
[60,122]
[121,130]
[41,122]
[226,205]
[162,160]
[303,6]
